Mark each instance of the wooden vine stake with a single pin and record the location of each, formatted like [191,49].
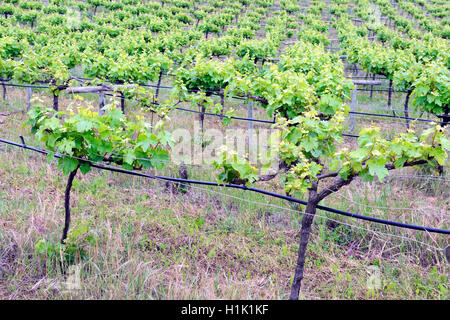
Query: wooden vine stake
[371,87]
[250,126]
[353,108]
[122,102]
[29,94]
[101,102]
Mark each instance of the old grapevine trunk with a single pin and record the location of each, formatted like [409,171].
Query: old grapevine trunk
[202,112]
[67,204]
[408,94]
[307,221]
[371,87]
[4,90]
[446,117]
[202,115]
[122,102]
[159,84]
[222,100]
[390,97]
[55,102]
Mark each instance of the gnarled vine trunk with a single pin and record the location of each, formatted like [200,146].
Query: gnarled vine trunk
[159,84]
[122,102]
[4,90]
[446,117]
[371,87]
[202,112]
[67,204]
[307,221]
[390,97]
[408,94]
[222,100]
[55,101]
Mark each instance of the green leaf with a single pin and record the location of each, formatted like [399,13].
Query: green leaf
[84,125]
[379,169]
[400,162]
[344,173]
[66,146]
[445,143]
[146,141]
[439,154]
[159,158]
[85,167]
[129,157]
[50,156]
[51,124]
[68,164]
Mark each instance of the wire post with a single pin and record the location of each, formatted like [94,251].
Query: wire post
[250,125]
[329,37]
[101,103]
[352,108]
[371,87]
[122,102]
[29,97]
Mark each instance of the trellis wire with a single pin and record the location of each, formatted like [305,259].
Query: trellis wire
[272,122]
[242,187]
[208,167]
[301,212]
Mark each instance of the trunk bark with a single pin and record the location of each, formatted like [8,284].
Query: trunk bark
[222,101]
[390,97]
[371,87]
[445,122]
[101,103]
[4,91]
[202,115]
[408,94]
[158,85]
[122,102]
[307,221]
[55,102]
[446,116]
[67,204]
